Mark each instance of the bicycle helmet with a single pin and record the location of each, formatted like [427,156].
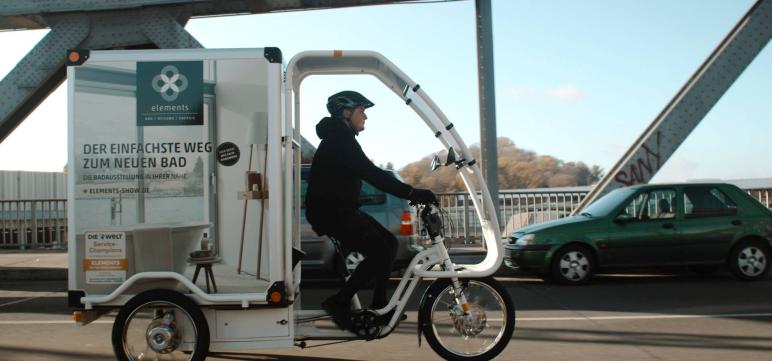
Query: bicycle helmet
[345,100]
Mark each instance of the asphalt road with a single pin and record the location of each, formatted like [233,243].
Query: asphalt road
[617,317]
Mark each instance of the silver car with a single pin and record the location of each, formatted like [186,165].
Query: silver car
[393,213]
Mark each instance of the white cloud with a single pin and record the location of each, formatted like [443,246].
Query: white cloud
[567,92]
[564,93]
[680,169]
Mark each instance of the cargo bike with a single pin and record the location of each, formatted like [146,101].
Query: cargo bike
[184,208]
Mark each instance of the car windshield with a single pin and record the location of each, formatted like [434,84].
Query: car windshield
[604,205]
[368,195]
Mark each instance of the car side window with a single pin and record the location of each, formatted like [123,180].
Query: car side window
[656,204]
[634,209]
[707,202]
[661,204]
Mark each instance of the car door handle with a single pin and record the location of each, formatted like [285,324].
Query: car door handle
[737,222]
[668,225]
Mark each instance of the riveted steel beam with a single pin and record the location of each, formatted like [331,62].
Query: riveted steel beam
[35,14]
[39,72]
[42,70]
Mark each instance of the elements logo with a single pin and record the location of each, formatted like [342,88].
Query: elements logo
[170,83]
[170,93]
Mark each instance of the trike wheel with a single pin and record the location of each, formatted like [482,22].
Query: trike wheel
[160,325]
[481,332]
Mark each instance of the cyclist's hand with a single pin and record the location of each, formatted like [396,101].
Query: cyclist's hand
[422,196]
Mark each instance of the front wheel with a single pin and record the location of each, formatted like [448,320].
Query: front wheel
[479,333]
[572,265]
[160,325]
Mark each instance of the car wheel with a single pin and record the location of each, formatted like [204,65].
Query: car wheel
[572,265]
[749,260]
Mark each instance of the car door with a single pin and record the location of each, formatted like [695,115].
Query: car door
[645,231]
[710,223]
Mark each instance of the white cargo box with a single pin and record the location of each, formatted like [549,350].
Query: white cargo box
[166,146]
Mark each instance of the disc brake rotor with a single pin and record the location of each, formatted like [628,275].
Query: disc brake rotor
[472,322]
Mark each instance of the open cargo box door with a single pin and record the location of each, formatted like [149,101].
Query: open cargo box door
[160,146]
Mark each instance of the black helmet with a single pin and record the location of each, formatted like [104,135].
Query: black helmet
[345,100]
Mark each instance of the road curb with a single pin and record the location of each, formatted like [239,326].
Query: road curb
[33,274]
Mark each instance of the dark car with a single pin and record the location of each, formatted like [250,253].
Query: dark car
[700,225]
[393,213]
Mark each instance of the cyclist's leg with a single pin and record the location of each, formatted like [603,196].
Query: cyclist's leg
[386,243]
[378,246]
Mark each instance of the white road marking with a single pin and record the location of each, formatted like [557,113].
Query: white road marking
[519,319]
[18,301]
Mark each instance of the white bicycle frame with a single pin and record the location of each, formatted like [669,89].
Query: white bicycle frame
[423,262]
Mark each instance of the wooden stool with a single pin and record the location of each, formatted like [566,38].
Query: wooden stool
[206,264]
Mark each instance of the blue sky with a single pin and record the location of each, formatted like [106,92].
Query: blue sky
[578,80]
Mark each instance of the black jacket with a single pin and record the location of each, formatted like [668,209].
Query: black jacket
[338,168]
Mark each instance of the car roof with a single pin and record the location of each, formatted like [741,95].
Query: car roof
[679,184]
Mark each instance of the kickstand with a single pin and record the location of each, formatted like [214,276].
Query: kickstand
[302,344]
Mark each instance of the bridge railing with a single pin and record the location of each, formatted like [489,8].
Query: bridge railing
[762,194]
[517,208]
[27,224]
[30,224]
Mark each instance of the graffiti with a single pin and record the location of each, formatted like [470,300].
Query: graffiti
[642,168]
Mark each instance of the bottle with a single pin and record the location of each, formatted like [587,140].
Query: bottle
[205,242]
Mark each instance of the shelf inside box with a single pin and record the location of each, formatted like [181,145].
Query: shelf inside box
[252,195]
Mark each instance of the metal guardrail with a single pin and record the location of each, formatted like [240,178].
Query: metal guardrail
[517,209]
[43,223]
[762,195]
[27,224]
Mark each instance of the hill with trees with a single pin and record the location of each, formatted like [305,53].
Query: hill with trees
[518,168]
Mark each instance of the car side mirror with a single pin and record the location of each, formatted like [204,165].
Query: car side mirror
[623,218]
[436,162]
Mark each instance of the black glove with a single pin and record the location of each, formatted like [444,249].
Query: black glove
[422,196]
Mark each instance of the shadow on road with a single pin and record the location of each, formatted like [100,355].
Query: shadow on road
[28,353]
[654,339]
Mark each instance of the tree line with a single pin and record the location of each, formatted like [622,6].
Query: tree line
[518,168]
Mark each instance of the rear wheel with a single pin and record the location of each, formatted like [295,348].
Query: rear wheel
[479,333]
[160,325]
[749,260]
[572,265]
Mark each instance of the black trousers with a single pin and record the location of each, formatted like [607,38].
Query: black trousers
[358,231]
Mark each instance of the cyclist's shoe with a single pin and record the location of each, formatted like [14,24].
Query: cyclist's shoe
[340,311]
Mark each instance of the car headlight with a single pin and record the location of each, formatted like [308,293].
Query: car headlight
[525,240]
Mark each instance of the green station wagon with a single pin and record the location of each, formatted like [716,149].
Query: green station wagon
[703,226]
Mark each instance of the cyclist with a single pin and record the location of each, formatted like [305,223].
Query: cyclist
[332,201]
